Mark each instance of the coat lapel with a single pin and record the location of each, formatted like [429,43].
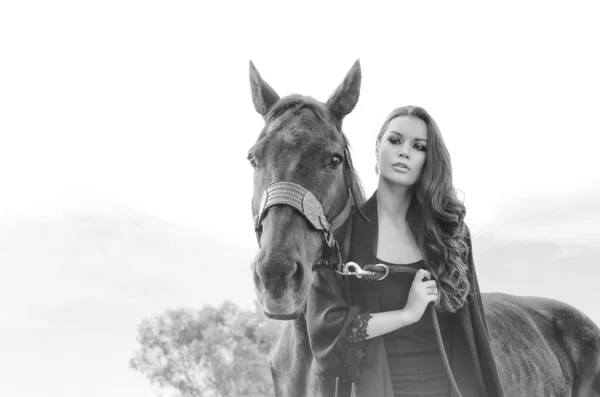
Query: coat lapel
[375,379]
[365,233]
[363,251]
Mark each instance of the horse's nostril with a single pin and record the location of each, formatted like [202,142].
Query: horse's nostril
[298,273]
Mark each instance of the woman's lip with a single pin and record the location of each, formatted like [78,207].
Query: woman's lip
[400,168]
[401,165]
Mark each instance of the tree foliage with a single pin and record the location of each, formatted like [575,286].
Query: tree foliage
[214,352]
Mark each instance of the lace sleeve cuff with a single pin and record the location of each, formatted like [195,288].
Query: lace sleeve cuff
[357,331]
[356,353]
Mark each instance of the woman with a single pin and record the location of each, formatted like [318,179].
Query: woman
[377,333]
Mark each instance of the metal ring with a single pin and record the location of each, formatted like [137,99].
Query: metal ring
[387,271]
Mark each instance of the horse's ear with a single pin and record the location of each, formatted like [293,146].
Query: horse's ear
[345,97]
[263,96]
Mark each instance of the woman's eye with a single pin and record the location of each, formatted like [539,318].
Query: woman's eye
[420,147]
[335,161]
[252,161]
[394,140]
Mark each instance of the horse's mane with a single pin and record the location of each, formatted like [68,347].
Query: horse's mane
[356,187]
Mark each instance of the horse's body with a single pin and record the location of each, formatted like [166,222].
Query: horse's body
[543,347]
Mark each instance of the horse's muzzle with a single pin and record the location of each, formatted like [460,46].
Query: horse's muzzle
[281,286]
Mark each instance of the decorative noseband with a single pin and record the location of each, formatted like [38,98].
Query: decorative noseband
[294,195]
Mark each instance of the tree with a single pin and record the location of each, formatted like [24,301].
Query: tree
[214,352]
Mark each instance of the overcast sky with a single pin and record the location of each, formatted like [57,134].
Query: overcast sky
[146,105]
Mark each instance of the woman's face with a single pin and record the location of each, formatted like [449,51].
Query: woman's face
[403,150]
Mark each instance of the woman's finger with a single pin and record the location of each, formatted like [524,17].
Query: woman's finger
[430,283]
[421,274]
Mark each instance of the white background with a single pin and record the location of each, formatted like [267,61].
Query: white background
[124,128]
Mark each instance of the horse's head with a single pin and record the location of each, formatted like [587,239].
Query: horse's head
[302,144]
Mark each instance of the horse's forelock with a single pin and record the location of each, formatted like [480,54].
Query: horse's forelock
[297,102]
[301,120]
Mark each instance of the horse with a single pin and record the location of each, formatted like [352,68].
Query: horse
[542,347]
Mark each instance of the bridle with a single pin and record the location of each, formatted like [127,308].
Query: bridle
[311,209]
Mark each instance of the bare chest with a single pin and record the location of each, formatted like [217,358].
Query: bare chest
[397,244]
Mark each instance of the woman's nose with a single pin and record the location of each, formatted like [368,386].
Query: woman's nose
[403,153]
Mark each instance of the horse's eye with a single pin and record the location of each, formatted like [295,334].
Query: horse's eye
[252,161]
[335,161]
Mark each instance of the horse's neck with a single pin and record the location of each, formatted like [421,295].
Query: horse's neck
[309,382]
[301,333]
[300,376]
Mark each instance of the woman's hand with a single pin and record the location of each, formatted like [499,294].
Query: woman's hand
[420,296]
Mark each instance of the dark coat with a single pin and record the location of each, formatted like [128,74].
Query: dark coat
[335,301]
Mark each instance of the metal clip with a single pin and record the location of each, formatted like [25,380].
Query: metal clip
[359,272]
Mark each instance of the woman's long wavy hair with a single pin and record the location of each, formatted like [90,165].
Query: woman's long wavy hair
[436,216]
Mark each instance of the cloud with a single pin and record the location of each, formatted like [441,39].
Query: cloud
[571,219]
[111,254]
[539,268]
[78,276]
